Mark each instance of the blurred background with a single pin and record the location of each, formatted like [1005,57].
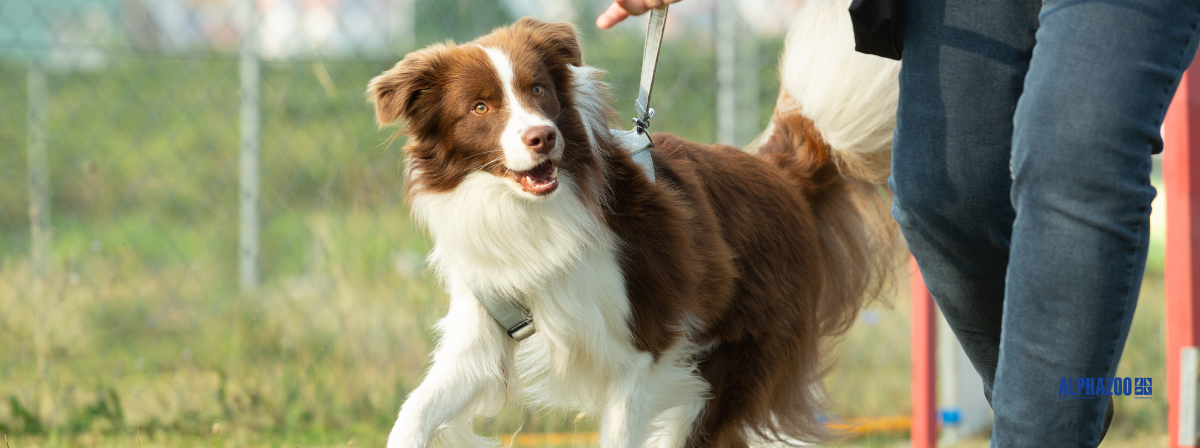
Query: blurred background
[203,240]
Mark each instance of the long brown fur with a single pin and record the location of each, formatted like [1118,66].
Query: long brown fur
[775,254]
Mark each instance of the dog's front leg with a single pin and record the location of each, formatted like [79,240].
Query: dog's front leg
[469,375]
[628,411]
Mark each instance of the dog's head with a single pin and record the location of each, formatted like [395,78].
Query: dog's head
[501,105]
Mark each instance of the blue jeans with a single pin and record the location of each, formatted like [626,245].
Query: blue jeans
[1021,174]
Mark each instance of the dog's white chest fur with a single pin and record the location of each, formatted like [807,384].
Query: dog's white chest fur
[562,262]
[557,255]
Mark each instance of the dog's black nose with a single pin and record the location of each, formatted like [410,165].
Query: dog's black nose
[539,139]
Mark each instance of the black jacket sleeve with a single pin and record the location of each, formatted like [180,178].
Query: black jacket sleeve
[878,27]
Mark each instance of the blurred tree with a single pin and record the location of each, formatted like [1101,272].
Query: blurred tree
[461,20]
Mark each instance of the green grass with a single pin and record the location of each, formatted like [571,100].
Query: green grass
[327,357]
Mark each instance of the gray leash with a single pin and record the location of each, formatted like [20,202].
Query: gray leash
[640,135]
[515,318]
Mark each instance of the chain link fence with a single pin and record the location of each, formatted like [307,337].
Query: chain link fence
[200,224]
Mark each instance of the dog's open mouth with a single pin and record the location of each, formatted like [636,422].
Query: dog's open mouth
[541,180]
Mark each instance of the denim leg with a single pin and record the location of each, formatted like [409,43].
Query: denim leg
[964,68]
[1095,95]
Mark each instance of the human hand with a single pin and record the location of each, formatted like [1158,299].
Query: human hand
[622,9]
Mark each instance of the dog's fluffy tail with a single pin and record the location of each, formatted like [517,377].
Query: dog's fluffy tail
[832,133]
[848,98]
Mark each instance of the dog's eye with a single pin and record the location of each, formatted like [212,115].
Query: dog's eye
[537,90]
[481,108]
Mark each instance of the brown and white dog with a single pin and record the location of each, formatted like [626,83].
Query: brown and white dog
[691,311]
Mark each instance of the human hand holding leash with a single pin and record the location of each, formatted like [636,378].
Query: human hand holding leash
[622,9]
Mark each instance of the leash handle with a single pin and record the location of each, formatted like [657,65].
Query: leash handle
[654,37]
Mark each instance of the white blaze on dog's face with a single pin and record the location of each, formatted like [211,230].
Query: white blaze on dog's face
[530,141]
[501,105]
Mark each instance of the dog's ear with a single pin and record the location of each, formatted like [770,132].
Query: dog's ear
[401,90]
[553,39]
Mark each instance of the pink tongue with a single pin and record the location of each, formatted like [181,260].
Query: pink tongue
[541,173]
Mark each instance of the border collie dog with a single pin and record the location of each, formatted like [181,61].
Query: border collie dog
[695,310]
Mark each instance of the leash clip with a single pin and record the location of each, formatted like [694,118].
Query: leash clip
[642,121]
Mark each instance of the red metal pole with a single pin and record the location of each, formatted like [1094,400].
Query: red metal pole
[1181,176]
[924,363]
